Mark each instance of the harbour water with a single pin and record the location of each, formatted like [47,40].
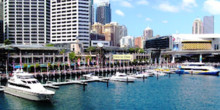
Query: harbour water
[177,92]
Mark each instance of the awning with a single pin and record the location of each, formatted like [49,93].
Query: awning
[43,65]
[18,66]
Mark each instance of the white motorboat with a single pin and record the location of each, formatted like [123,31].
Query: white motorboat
[159,73]
[149,72]
[141,75]
[24,85]
[91,77]
[122,77]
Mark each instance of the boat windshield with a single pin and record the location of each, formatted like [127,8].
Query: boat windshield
[25,77]
[31,82]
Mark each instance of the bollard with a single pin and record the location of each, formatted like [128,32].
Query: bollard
[157,77]
[143,78]
[127,80]
[84,86]
[107,83]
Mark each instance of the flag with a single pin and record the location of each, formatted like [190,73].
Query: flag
[20,63]
[58,64]
[88,62]
[97,62]
[93,61]
[105,62]
[68,62]
[78,61]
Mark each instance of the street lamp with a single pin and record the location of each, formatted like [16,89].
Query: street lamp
[100,45]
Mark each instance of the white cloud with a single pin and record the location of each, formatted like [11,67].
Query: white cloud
[188,4]
[99,1]
[148,19]
[126,4]
[165,21]
[212,6]
[168,8]
[119,12]
[142,2]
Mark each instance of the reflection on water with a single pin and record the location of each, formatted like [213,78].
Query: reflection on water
[177,92]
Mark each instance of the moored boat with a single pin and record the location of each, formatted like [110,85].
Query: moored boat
[24,85]
[122,77]
[197,69]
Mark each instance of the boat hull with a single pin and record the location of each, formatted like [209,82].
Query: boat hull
[27,95]
[123,79]
[215,73]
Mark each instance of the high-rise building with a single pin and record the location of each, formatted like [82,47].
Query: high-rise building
[103,13]
[97,27]
[1,22]
[127,41]
[91,13]
[138,42]
[70,21]
[208,25]
[1,9]
[27,21]
[113,32]
[197,27]
[148,33]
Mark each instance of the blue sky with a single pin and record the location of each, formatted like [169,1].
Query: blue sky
[165,17]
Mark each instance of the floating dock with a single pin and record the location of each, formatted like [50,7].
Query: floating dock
[80,82]
[1,89]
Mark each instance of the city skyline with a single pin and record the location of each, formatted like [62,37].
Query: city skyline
[164,17]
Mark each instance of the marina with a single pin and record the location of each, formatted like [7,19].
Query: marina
[168,92]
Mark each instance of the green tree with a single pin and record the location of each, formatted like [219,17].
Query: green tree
[50,45]
[72,56]
[62,51]
[25,67]
[136,50]
[7,42]
[37,65]
[131,50]
[91,49]
[88,57]
[49,66]
[141,51]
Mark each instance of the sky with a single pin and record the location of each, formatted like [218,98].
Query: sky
[165,17]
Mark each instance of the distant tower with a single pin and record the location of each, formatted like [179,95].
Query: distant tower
[103,13]
[197,27]
[148,33]
[91,14]
[1,22]
[208,25]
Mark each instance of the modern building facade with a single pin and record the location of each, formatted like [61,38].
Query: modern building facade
[138,42]
[95,43]
[96,36]
[148,33]
[91,13]
[70,20]
[208,25]
[127,41]
[1,21]
[197,27]
[27,21]
[98,28]
[1,9]
[113,32]
[103,13]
